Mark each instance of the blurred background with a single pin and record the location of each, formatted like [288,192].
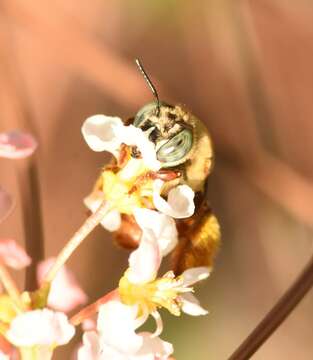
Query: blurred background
[245,69]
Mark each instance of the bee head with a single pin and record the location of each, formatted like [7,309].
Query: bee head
[168,127]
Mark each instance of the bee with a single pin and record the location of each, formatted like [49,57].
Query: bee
[184,148]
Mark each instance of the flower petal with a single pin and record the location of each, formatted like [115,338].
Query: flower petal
[89,324]
[154,346]
[13,255]
[108,352]
[112,220]
[16,145]
[131,135]
[162,226]
[6,204]
[179,202]
[132,169]
[40,327]
[191,305]
[90,349]
[106,133]
[63,283]
[4,356]
[193,275]
[116,324]
[7,351]
[100,135]
[144,262]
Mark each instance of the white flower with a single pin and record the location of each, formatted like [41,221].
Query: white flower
[116,337]
[190,304]
[159,237]
[65,293]
[106,133]
[152,223]
[40,327]
[145,261]
[90,349]
[179,202]
[140,285]
[99,133]
[157,226]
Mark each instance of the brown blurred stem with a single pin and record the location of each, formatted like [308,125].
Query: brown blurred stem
[32,219]
[28,178]
[277,315]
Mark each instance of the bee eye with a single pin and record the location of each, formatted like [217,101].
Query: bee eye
[148,111]
[176,148]
[144,113]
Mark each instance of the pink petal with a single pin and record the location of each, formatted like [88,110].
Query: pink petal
[6,204]
[16,145]
[65,293]
[13,255]
[89,324]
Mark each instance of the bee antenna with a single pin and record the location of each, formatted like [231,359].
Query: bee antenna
[149,82]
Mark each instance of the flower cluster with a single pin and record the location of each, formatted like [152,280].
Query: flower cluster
[127,189]
[33,324]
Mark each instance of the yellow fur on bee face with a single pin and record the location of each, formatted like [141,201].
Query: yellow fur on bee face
[200,164]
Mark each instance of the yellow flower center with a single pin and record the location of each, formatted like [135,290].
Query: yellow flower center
[8,309]
[121,190]
[162,292]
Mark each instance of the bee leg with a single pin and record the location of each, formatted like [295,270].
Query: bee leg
[199,241]
[129,234]
[165,175]
[124,156]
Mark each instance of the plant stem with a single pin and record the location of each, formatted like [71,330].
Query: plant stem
[93,308]
[10,286]
[28,179]
[76,240]
[276,315]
